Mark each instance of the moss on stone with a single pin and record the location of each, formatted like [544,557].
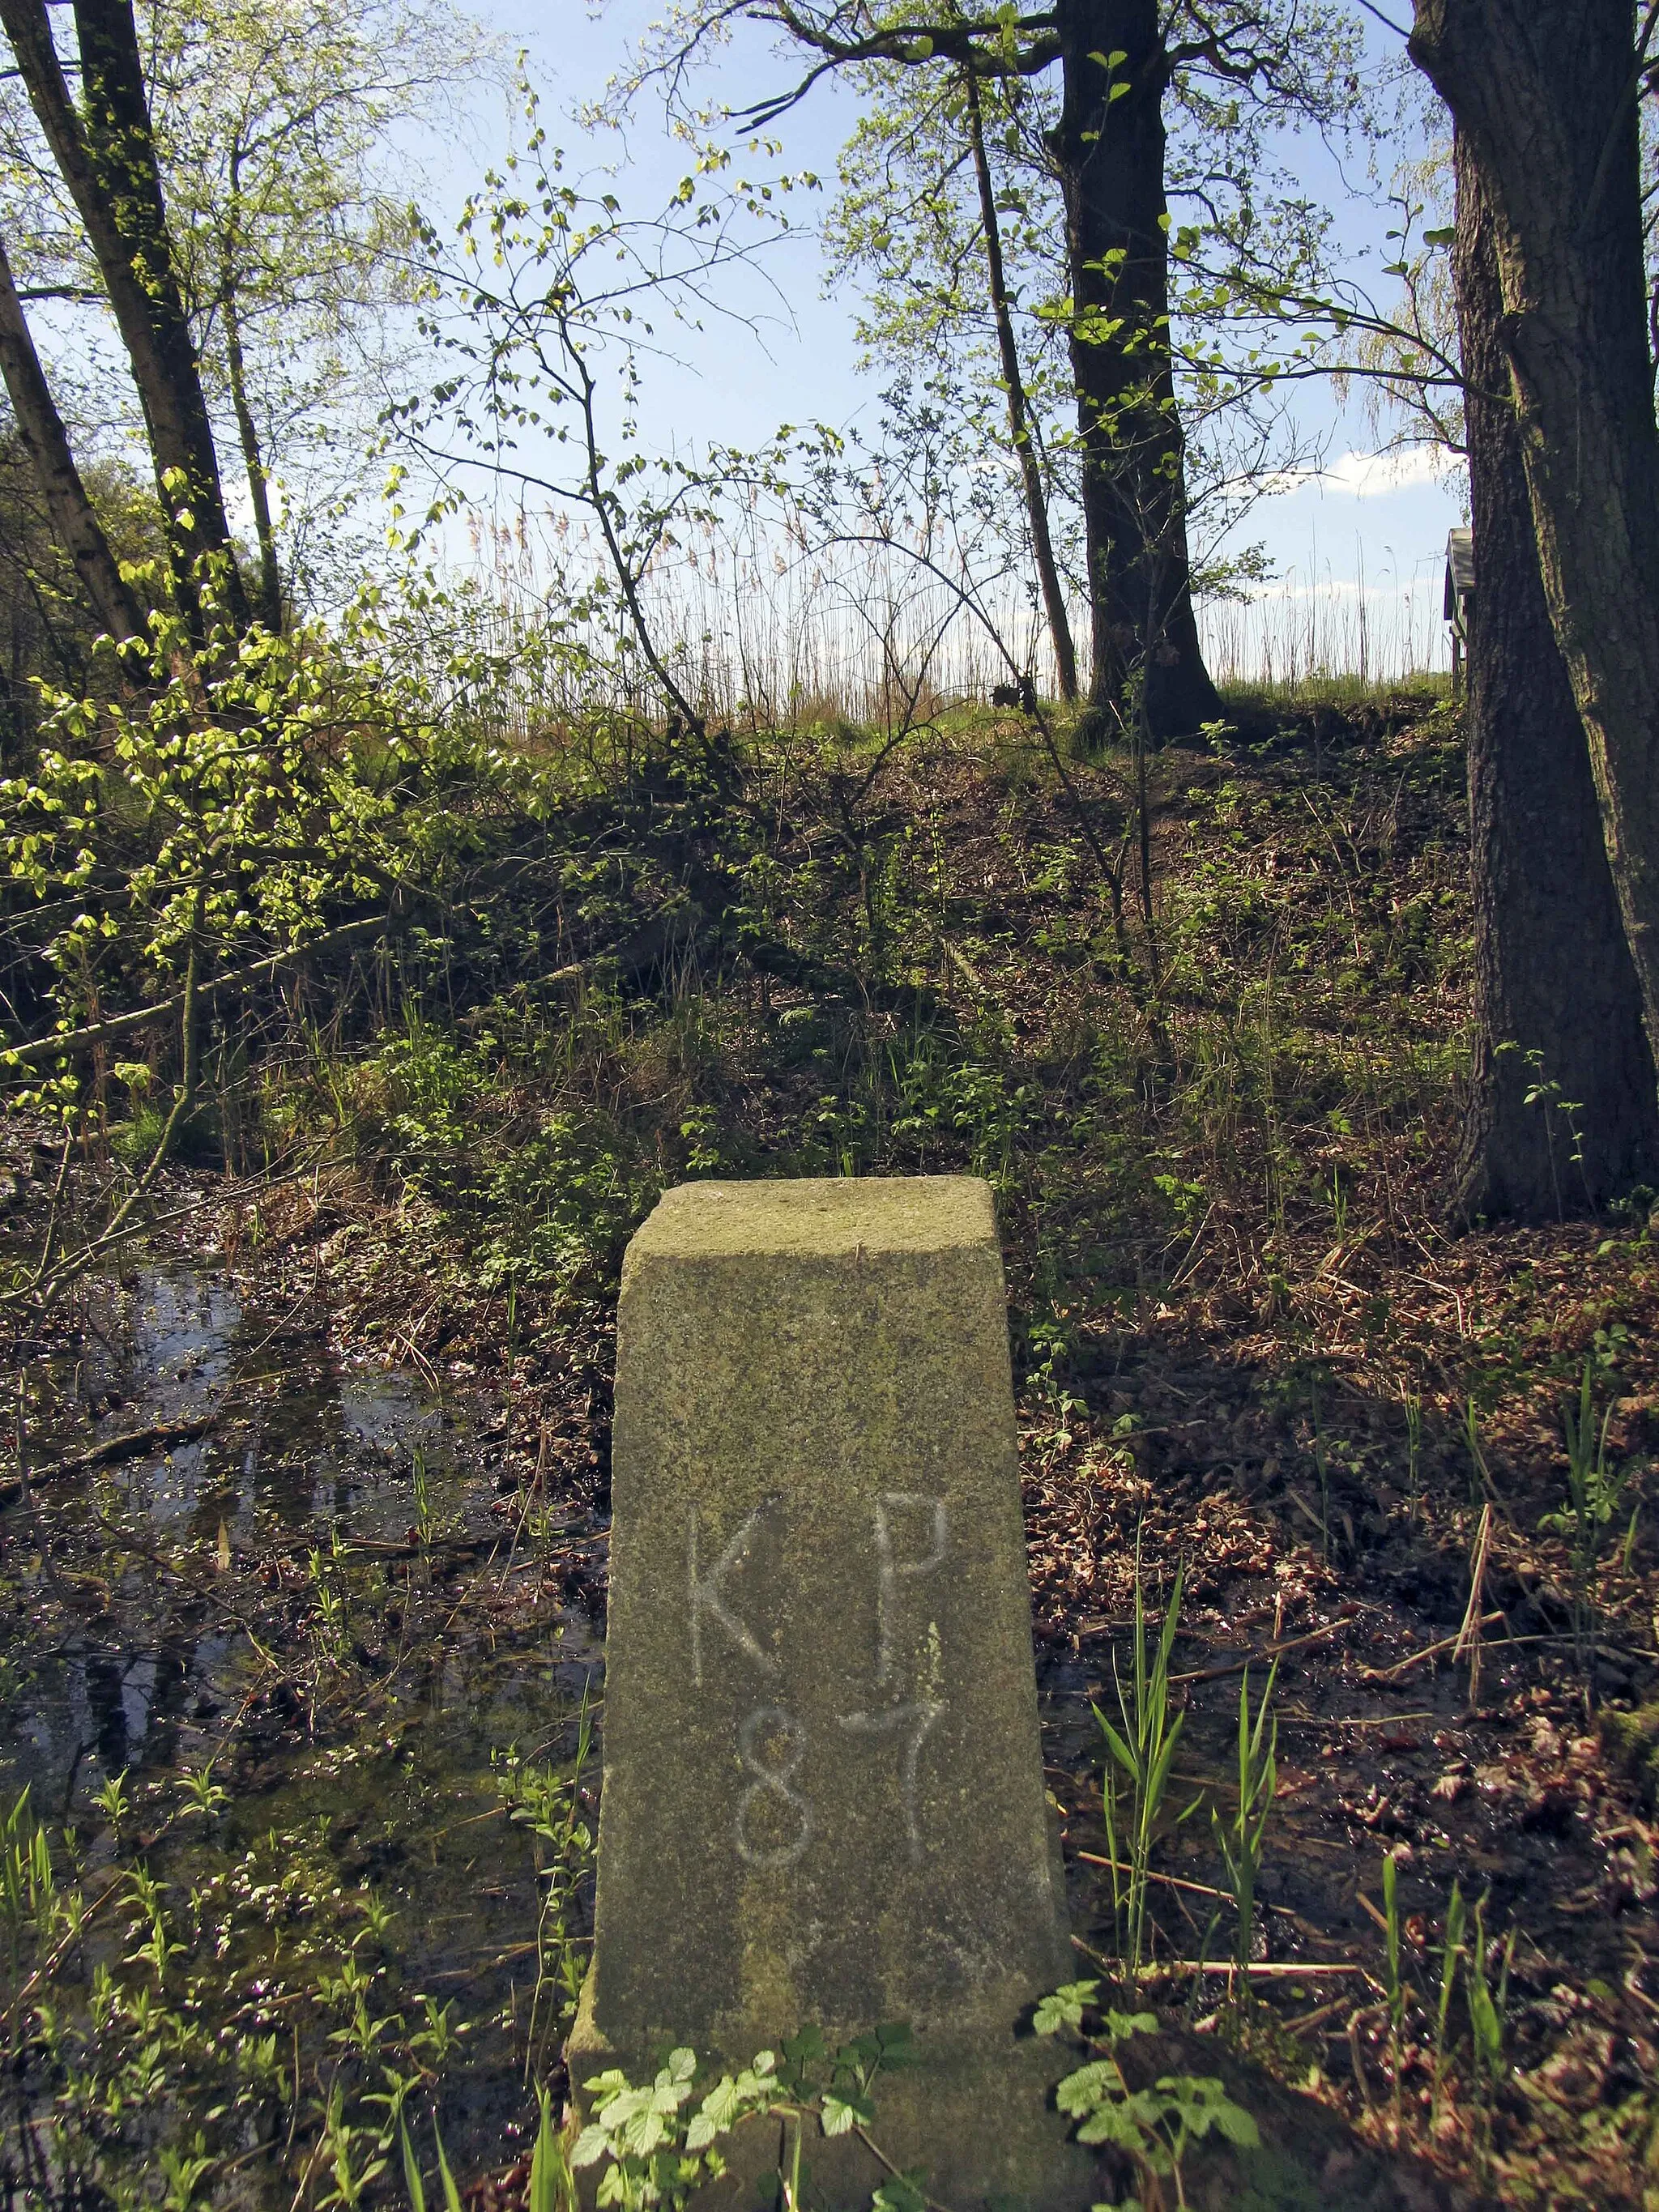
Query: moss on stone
[1632,1743]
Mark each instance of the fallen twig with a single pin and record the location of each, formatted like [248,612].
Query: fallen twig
[133,1445]
[1266,1652]
[67,1043]
[1429,1652]
[1169,1880]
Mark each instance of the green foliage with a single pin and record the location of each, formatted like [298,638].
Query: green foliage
[652,2155]
[1156,2127]
[226,804]
[152,2027]
[552,2185]
[554,1206]
[412,2180]
[1240,1838]
[1137,1761]
[1597,1492]
[566,1203]
[1450,1958]
[551,1803]
[657,2148]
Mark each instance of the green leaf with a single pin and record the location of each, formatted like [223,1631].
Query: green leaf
[839,2115]
[1082,2091]
[902,2193]
[549,2169]
[1237,2124]
[451,2195]
[1063,2008]
[591,2145]
[412,2181]
[718,2111]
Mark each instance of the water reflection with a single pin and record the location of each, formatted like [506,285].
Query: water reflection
[149,1673]
[301,1442]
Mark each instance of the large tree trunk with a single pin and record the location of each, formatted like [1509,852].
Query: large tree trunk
[1544,93]
[105,153]
[1109,152]
[1020,415]
[41,429]
[1558,1010]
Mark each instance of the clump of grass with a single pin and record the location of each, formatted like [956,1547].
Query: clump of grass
[1136,1774]
[1596,1490]
[1240,1838]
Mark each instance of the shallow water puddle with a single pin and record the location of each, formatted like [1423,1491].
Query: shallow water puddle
[337,1593]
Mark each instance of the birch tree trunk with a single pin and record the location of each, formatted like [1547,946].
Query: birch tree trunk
[105,153]
[44,440]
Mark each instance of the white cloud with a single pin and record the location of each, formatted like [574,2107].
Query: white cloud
[1372,475]
[1367,476]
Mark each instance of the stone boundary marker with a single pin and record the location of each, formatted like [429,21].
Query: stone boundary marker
[824,1797]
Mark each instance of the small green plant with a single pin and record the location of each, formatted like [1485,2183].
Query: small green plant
[549,1804]
[1396,1987]
[1544,1091]
[202,1794]
[1138,1760]
[412,2181]
[1482,1490]
[111,1799]
[1451,1954]
[1322,1465]
[1596,1497]
[330,1630]
[1240,1838]
[29,1888]
[657,2150]
[423,1517]
[1488,2003]
[1337,1191]
[552,2184]
[1413,1453]
[1157,2126]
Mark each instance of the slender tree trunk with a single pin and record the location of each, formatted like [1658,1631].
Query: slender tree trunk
[1019,418]
[258,483]
[105,153]
[1110,152]
[44,439]
[1544,92]
[1558,1010]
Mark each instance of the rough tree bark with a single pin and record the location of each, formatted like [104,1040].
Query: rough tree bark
[1019,416]
[1110,155]
[44,440]
[105,152]
[1543,95]
[1557,1009]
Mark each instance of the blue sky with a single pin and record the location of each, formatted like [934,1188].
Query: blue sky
[1367,531]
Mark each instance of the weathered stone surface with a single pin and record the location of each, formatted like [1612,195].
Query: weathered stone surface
[824,1796]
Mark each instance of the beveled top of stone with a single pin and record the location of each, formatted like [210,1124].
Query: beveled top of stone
[827,1217]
